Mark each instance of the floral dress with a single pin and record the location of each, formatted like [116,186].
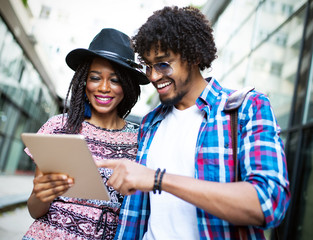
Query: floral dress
[74,218]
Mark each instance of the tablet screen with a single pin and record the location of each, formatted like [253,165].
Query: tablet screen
[68,154]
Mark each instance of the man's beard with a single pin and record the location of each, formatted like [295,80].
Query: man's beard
[173,101]
[176,99]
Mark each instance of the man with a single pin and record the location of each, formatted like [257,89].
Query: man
[189,136]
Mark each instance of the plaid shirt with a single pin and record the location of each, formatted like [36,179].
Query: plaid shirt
[260,154]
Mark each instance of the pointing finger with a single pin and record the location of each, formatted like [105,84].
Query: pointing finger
[108,164]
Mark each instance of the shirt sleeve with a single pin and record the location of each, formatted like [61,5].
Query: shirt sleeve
[262,159]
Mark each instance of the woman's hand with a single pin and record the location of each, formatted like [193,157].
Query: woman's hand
[46,188]
[49,186]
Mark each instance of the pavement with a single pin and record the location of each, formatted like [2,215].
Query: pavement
[14,216]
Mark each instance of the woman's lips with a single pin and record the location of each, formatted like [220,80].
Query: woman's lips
[103,99]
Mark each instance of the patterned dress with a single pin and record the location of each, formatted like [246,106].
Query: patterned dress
[74,218]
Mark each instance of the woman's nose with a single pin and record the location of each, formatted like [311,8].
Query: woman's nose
[105,86]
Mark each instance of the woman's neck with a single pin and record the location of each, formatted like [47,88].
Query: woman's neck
[108,122]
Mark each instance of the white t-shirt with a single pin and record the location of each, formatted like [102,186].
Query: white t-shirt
[173,147]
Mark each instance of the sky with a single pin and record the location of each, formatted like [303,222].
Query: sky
[70,24]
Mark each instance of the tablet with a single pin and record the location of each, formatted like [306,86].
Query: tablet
[68,154]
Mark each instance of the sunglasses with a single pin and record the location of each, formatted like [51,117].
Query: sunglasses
[161,67]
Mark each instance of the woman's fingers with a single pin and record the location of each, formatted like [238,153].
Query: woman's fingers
[49,186]
[44,178]
[50,194]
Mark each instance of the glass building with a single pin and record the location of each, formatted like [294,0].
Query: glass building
[26,101]
[268,44]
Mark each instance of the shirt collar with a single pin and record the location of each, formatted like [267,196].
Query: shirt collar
[208,96]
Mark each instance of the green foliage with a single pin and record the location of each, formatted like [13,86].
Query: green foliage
[25,3]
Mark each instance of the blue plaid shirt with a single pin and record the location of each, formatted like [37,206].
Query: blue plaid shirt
[261,160]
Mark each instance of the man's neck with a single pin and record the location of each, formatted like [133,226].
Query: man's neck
[198,85]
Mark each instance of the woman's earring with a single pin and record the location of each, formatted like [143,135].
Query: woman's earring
[87,113]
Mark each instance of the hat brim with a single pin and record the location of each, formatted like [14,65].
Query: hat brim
[77,56]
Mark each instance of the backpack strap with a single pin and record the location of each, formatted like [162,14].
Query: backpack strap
[236,98]
[233,103]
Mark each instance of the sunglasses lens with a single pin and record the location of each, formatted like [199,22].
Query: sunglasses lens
[148,70]
[164,68]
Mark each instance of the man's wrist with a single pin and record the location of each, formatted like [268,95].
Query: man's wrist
[160,180]
[156,177]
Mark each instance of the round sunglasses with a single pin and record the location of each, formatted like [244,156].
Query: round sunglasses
[161,67]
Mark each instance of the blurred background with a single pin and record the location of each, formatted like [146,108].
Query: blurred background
[264,43]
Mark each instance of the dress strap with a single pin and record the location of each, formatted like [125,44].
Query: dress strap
[100,223]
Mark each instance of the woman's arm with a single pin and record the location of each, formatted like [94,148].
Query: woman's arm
[46,188]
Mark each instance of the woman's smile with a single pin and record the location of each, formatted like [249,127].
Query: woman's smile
[103,99]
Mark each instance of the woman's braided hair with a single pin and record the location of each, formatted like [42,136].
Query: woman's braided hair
[77,88]
[185,31]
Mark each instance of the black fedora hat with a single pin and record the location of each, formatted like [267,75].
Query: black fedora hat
[112,45]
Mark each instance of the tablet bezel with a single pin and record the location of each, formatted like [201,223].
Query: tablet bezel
[68,154]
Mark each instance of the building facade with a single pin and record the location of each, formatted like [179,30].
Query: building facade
[27,99]
[268,44]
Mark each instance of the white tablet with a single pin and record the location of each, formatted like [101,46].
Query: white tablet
[68,154]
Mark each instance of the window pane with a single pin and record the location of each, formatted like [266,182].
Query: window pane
[234,25]
[8,114]
[309,109]
[10,62]
[3,30]
[11,65]
[271,15]
[2,138]
[47,103]
[273,68]
[233,17]
[238,73]
[291,151]
[30,82]
[291,154]
[17,156]
[304,73]
[304,207]
[14,154]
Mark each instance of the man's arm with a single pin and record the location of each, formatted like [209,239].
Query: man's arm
[236,203]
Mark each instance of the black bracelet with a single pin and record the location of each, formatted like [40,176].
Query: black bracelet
[155,186]
[160,181]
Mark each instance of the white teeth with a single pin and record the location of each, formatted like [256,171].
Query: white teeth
[162,85]
[103,99]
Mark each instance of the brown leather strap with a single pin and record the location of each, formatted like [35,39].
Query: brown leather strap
[231,106]
[233,128]
[233,103]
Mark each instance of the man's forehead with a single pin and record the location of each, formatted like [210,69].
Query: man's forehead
[156,54]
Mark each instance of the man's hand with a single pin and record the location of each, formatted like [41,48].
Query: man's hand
[129,176]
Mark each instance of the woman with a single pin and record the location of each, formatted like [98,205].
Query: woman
[103,90]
